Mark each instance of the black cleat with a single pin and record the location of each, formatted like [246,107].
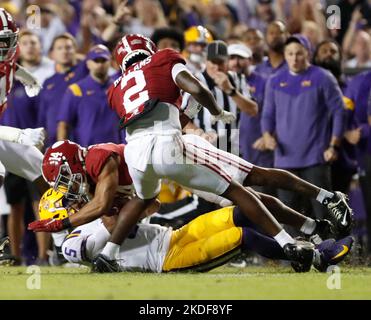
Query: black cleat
[340,213]
[6,258]
[324,229]
[301,255]
[102,264]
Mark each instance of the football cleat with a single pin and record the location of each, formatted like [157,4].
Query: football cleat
[301,254]
[340,213]
[332,252]
[6,258]
[102,264]
[324,229]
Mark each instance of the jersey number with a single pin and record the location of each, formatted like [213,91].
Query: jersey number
[137,90]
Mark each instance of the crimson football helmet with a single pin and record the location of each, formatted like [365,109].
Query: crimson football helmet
[8,36]
[63,167]
[131,45]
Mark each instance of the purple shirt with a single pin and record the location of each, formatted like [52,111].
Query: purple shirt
[265,69]
[297,109]
[358,92]
[22,111]
[250,129]
[51,97]
[85,108]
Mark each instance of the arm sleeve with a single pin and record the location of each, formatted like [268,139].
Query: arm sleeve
[268,119]
[335,104]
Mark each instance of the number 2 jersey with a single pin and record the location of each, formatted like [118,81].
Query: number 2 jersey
[146,81]
[145,248]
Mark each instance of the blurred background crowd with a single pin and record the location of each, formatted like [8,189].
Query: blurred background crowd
[230,45]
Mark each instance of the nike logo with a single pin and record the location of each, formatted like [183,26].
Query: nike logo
[344,221]
[344,251]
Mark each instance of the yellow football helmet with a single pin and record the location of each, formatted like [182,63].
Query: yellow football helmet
[51,206]
[197,34]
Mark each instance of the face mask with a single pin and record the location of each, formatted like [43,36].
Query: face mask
[197,58]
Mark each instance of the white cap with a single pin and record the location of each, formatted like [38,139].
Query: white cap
[239,49]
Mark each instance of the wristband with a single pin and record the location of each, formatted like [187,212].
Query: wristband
[232,92]
[66,223]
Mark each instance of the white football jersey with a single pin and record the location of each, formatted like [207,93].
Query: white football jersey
[144,249]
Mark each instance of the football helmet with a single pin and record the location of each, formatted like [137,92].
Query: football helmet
[8,36]
[63,167]
[131,45]
[198,34]
[53,205]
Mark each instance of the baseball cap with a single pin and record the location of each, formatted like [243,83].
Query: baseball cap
[217,50]
[239,49]
[301,39]
[264,1]
[99,51]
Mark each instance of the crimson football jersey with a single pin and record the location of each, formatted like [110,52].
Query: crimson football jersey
[97,157]
[147,80]
[7,72]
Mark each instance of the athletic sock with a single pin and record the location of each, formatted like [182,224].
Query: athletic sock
[283,238]
[324,194]
[308,226]
[266,246]
[111,250]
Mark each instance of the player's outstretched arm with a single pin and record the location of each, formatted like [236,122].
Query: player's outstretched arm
[31,84]
[28,137]
[100,204]
[187,82]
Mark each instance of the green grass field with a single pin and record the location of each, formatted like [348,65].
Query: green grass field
[222,283]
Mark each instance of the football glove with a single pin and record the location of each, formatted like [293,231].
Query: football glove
[32,137]
[224,116]
[33,89]
[49,225]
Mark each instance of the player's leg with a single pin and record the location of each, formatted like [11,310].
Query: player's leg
[25,161]
[204,226]
[147,186]
[289,216]
[205,253]
[16,193]
[335,202]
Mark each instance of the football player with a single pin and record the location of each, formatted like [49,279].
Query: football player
[146,98]
[101,171]
[205,243]
[23,160]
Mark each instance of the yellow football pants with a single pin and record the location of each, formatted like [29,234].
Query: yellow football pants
[202,240]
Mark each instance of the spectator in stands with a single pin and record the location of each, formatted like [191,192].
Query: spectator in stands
[168,38]
[328,56]
[84,107]
[69,70]
[297,105]
[358,91]
[230,92]
[51,26]
[196,39]
[275,38]
[254,39]
[361,50]
[251,139]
